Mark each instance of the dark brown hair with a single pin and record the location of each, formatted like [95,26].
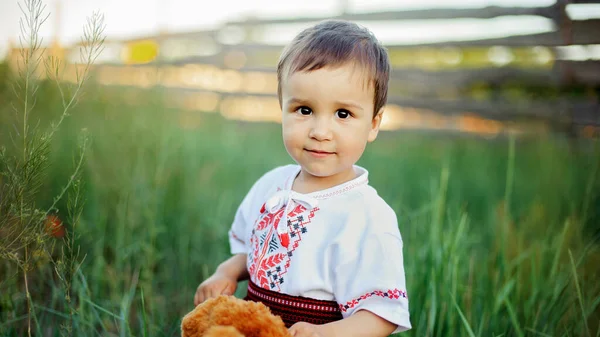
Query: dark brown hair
[334,43]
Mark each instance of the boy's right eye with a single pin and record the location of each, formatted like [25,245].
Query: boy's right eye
[304,110]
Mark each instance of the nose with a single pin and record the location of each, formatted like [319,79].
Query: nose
[320,129]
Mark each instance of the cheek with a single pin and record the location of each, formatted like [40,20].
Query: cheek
[291,133]
[354,143]
[292,127]
[356,148]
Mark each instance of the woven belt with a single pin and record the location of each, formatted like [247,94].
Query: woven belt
[293,309]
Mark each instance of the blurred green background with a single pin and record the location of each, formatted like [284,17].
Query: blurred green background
[495,180]
[160,197]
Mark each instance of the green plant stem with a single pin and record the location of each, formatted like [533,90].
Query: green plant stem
[26,99]
[27,294]
[68,185]
[507,200]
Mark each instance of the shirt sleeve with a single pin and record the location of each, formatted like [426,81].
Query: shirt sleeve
[373,279]
[238,233]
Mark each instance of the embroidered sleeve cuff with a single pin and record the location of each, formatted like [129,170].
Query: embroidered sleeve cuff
[237,245]
[394,311]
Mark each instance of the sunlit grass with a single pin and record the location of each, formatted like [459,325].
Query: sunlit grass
[498,242]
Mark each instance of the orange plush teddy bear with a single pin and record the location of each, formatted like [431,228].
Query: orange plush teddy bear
[228,316]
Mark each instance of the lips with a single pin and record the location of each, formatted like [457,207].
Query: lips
[319,154]
[319,151]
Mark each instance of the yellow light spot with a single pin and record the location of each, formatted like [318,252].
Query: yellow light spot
[140,52]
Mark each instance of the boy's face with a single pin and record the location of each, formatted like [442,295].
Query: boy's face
[328,120]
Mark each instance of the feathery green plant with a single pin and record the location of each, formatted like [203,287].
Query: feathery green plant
[25,227]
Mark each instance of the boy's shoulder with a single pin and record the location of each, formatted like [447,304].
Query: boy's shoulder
[278,174]
[366,214]
[273,178]
[368,211]
[377,208]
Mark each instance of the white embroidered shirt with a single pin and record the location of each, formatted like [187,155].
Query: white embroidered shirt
[340,244]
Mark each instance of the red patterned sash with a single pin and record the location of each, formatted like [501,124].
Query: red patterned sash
[293,309]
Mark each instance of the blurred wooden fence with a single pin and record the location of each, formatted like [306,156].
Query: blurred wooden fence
[483,86]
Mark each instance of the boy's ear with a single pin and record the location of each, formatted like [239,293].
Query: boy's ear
[375,125]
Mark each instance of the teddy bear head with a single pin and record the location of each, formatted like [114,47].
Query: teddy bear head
[228,316]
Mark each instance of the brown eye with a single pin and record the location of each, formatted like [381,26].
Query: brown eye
[342,113]
[304,110]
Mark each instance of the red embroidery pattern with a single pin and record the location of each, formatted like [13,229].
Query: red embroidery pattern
[269,261]
[293,301]
[294,309]
[232,233]
[391,294]
[265,265]
[296,230]
[268,219]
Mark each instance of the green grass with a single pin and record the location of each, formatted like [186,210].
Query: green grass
[498,242]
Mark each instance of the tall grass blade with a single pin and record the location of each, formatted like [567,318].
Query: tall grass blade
[463,318]
[513,317]
[144,316]
[579,295]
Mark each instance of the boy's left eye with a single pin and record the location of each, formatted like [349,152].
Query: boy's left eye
[304,110]
[342,113]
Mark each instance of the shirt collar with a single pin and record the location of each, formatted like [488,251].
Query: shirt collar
[361,179]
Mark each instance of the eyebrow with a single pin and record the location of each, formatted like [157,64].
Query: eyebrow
[351,104]
[295,100]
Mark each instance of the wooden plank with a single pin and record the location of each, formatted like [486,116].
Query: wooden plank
[497,110]
[584,1]
[216,60]
[583,32]
[433,80]
[563,73]
[420,14]
[579,72]
[560,110]
[589,115]
[425,85]
[580,112]
[576,112]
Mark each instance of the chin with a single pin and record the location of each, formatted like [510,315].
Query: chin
[321,172]
[315,171]
[318,173]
